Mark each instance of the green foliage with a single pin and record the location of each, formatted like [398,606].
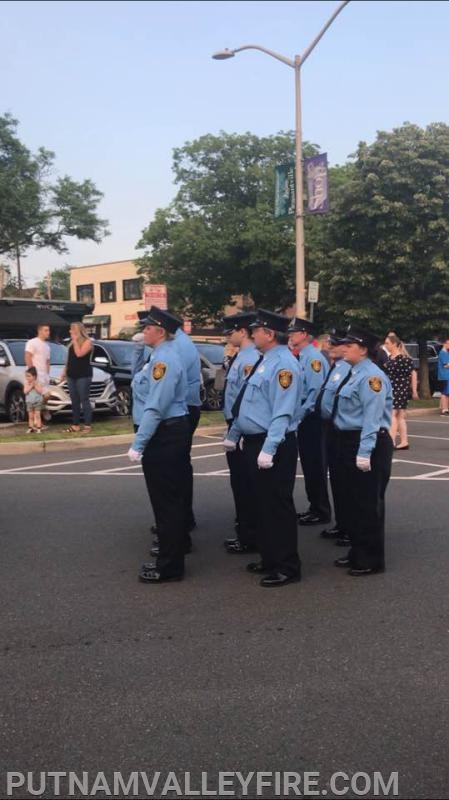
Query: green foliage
[219,237]
[59,285]
[33,211]
[387,255]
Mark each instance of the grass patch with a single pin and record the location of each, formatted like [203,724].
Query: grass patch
[107,426]
[433,402]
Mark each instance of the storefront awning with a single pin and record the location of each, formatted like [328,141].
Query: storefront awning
[19,317]
[101,319]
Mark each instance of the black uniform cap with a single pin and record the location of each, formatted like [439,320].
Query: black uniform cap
[359,336]
[163,319]
[233,322]
[297,324]
[270,320]
[337,336]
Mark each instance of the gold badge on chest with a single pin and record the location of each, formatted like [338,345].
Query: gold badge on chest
[316,365]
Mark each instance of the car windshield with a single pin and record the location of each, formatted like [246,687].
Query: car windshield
[213,352]
[121,352]
[58,356]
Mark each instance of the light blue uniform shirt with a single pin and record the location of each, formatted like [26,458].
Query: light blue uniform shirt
[238,373]
[159,392]
[190,358]
[314,367]
[139,356]
[365,403]
[337,375]
[443,358]
[270,402]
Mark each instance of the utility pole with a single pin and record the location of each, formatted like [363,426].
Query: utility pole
[48,282]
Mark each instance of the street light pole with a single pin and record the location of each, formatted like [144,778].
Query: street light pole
[221,55]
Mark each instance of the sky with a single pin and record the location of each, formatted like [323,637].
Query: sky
[113,87]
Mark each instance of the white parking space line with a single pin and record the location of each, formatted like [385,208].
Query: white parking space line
[437,438]
[80,461]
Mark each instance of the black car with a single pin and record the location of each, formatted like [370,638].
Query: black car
[433,349]
[115,356]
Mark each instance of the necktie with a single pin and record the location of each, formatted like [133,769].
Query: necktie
[321,392]
[337,394]
[238,400]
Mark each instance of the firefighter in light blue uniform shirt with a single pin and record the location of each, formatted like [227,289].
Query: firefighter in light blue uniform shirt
[267,421]
[362,420]
[236,328]
[162,439]
[338,372]
[314,369]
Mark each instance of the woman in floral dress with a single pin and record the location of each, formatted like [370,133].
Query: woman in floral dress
[399,368]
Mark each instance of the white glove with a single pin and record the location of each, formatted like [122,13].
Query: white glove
[264,460]
[228,445]
[138,337]
[362,463]
[134,455]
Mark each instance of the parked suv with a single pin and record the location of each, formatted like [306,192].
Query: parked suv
[433,349]
[115,357]
[211,357]
[12,376]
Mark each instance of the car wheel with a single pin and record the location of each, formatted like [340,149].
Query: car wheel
[16,408]
[213,398]
[123,405]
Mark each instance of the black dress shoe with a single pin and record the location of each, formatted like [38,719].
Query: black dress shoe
[257,567]
[344,541]
[279,579]
[229,541]
[312,519]
[342,562]
[237,547]
[303,514]
[331,533]
[360,572]
[147,575]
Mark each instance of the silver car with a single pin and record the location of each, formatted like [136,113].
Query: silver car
[103,395]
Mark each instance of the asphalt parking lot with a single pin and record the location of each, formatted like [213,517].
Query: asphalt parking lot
[215,674]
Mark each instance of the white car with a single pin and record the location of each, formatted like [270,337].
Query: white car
[103,395]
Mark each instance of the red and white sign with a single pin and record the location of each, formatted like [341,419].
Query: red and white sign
[155,294]
[187,327]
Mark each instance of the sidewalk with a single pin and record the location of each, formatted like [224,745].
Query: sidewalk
[55,445]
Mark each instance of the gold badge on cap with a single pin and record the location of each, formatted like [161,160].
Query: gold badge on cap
[285,378]
[316,365]
[375,383]
[247,369]
[159,370]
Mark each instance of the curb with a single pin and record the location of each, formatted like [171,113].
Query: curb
[54,445]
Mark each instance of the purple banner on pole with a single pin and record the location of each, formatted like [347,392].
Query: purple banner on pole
[317,184]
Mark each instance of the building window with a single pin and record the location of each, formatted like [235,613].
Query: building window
[85,293]
[108,292]
[132,289]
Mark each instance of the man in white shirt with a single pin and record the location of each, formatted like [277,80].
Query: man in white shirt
[37,354]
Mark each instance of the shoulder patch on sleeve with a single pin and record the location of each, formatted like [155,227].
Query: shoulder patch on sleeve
[247,369]
[375,383]
[159,370]
[285,378]
[316,365]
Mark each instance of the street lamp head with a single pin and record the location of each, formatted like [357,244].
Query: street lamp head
[221,55]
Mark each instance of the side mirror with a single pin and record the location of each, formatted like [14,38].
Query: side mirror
[101,360]
[4,362]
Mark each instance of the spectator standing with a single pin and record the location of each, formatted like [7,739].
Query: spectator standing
[399,368]
[34,400]
[78,371]
[37,355]
[443,377]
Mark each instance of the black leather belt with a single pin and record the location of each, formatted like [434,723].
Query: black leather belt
[167,423]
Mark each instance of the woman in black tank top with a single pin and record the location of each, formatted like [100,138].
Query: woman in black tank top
[79,377]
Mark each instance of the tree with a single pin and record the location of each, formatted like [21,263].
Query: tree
[34,212]
[56,285]
[386,258]
[219,238]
